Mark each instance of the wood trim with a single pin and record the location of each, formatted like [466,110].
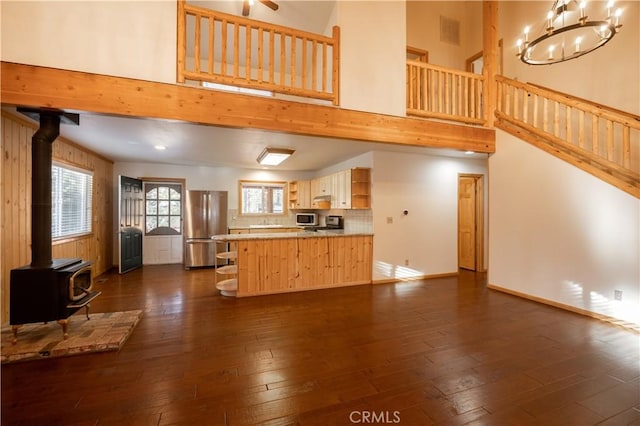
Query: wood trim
[469,61]
[285,185]
[181,181]
[417,278]
[35,86]
[620,323]
[181,41]
[423,55]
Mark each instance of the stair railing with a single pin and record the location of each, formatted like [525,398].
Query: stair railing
[595,135]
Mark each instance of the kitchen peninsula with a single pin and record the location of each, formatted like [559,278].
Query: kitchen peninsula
[269,263]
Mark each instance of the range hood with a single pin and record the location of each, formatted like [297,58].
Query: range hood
[321,202]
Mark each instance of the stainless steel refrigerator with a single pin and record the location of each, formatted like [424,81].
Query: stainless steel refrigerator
[205,215]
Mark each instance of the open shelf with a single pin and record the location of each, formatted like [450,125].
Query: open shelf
[226,276]
[227,269]
[228,287]
[228,255]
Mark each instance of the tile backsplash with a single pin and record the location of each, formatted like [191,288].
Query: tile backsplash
[354,220]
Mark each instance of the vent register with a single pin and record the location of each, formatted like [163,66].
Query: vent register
[449,30]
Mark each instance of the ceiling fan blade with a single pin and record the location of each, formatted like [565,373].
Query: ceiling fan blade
[245,8]
[271,5]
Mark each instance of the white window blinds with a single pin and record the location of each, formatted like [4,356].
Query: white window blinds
[71,200]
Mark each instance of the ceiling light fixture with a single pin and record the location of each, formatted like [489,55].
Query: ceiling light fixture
[160,147]
[274,156]
[562,40]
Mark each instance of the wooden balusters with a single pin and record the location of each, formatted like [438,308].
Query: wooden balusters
[596,133]
[439,92]
[235,54]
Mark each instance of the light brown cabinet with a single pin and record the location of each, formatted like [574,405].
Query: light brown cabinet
[341,190]
[347,189]
[361,188]
[300,194]
[310,263]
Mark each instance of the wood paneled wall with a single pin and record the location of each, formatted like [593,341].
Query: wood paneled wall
[15,193]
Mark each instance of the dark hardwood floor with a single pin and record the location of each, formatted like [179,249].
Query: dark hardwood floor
[444,351]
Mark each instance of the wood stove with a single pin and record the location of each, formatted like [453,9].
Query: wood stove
[50,294]
[47,289]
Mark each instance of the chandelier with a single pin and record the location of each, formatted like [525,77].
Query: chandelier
[568,33]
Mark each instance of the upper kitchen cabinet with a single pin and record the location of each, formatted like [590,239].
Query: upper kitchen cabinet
[321,187]
[360,188]
[321,193]
[300,194]
[347,189]
[341,190]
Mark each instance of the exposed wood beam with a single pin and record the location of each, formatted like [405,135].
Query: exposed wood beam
[36,86]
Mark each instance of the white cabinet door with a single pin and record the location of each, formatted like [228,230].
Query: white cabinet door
[321,186]
[341,190]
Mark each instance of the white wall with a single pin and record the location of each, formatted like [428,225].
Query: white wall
[135,39]
[426,186]
[423,30]
[372,56]
[609,75]
[560,234]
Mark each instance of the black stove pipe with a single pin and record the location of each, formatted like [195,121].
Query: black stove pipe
[43,138]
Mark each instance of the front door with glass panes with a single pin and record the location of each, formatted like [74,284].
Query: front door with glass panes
[131,214]
[163,223]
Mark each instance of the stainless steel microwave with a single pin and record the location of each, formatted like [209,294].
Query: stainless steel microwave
[306,219]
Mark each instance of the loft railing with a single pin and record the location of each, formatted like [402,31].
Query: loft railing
[443,93]
[593,134]
[226,49]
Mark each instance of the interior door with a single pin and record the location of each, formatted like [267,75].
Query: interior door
[470,222]
[131,200]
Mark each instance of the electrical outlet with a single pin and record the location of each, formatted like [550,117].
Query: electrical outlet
[389,219]
[617,294]
[406,262]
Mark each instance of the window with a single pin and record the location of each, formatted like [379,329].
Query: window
[262,197]
[163,209]
[71,201]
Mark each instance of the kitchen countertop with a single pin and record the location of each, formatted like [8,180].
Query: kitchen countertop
[279,235]
[264,227]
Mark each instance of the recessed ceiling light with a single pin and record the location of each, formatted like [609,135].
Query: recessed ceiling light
[160,147]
